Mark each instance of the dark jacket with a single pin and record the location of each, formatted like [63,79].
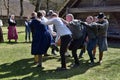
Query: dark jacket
[76,28]
[102,28]
[11,23]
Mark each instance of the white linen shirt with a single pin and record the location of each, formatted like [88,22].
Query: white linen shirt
[61,28]
[50,27]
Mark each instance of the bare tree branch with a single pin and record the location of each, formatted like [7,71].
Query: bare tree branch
[5,4]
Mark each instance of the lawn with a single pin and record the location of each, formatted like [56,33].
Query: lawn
[16,63]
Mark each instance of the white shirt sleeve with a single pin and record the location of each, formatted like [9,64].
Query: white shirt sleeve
[49,22]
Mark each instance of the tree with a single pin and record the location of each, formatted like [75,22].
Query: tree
[47,3]
[6,3]
[21,8]
[38,4]
[33,1]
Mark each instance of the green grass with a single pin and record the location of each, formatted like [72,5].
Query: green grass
[17,63]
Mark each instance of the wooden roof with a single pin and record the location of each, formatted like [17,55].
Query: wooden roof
[66,5]
[80,6]
[95,9]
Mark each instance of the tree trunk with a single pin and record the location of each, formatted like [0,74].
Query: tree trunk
[38,4]
[21,7]
[47,3]
[6,3]
[8,10]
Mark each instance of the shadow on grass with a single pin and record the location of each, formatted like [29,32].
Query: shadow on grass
[13,42]
[26,67]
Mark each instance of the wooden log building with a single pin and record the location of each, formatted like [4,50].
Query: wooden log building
[83,8]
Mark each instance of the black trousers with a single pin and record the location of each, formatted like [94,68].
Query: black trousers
[74,45]
[65,40]
[74,54]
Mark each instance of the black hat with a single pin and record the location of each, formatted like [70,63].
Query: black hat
[50,12]
[100,15]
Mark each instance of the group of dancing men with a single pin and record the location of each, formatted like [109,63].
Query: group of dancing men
[73,34]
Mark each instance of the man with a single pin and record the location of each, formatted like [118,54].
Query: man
[65,36]
[33,16]
[92,37]
[41,38]
[102,35]
[77,36]
[27,30]
[51,30]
